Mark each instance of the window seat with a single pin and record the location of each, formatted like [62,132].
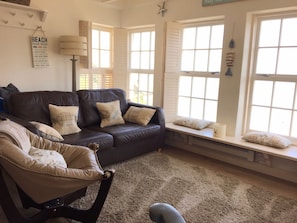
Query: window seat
[281,163]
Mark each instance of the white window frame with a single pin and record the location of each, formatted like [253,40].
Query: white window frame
[97,77]
[274,78]
[208,75]
[136,95]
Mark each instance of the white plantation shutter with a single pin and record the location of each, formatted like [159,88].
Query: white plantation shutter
[172,70]
[120,58]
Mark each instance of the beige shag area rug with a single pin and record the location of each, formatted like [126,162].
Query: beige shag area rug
[200,194]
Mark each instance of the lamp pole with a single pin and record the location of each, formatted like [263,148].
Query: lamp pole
[73,73]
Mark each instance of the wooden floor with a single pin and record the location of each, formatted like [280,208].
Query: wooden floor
[282,187]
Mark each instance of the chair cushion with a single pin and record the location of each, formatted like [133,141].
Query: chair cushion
[48,157]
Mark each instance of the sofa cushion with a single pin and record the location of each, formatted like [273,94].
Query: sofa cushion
[87,136]
[64,119]
[110,113]
[89,98]
[33,106]
[130,132]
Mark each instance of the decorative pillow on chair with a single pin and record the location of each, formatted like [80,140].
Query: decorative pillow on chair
[193,123]
[64,119]
[110,113]
[267,139]
[48,132]
[141,116]
[48,157]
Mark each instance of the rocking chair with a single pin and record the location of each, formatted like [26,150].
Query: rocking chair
[49,186]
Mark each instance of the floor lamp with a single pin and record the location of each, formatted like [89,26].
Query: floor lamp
[74,46]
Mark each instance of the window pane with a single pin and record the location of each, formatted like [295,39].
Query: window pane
[283,95]
[153,35]
[212,88]
[197,108]
[210,110]
[95,58]
[150,99]
[294,125]
[151,83]
[104,59]
[280,121]
[215,57]
[145,60]
[134,81]
[189,38]
[289,34]
[95,39]
[183,107]
[135,41]
[105,40]
[145,41]
[143,82]
[152,60]
[266,62]
[203,36]
[217,36]
[287,61]
[269,34]
[201,60]
[262,93]
[259,118]
[187,60]
[184,86]
[198,89]
[135,60]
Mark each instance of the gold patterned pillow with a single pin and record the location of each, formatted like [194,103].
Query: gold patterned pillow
[267,139]
[110,113]
[141,116]
[64,119]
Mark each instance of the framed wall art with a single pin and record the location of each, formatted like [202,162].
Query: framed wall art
[214,2]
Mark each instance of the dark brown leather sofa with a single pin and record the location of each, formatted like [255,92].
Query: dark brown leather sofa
[117,143]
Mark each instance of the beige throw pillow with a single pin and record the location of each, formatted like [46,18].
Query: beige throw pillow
[110,113]
[64,119]
[48,132]
[141,116]
[193,123]
[267,139]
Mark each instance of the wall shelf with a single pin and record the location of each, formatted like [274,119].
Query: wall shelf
[21,16]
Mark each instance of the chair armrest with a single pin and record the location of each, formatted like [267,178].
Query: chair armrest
[165,213]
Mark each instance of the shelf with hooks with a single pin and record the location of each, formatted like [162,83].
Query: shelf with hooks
[20,16]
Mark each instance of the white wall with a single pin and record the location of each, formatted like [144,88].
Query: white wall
[62,19]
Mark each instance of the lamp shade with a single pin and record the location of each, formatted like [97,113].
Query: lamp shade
[73,45]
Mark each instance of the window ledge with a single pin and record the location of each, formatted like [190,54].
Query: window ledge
[207,133]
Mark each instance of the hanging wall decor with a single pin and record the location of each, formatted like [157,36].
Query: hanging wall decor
[39,49]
